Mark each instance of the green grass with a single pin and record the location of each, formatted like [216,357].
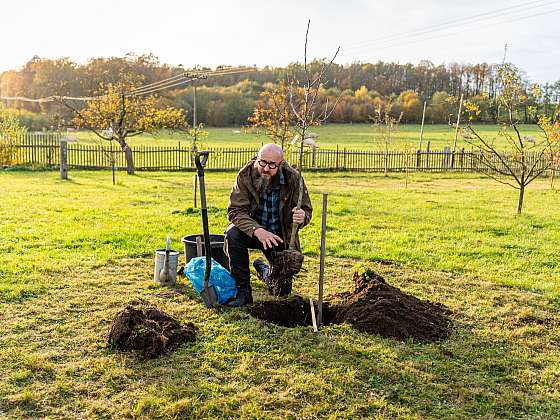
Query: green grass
[73,253]
[355,136]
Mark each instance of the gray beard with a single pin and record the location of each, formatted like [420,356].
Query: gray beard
[261,183]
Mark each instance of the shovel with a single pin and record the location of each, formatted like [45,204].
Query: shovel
[209,295]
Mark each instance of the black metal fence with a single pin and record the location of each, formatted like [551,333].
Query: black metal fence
[43,150]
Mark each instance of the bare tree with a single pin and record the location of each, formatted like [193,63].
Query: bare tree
[525,158]
[309,110]
[385,124]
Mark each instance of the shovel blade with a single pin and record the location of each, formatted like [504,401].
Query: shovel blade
[209,296]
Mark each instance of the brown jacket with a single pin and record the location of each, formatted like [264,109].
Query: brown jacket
[244,202]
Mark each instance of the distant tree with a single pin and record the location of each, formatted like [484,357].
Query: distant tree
[117,114]
[485,106]
[233,94]
[526,157]
[362,93]
[237,108]
[215,113]
[440,108]
[385,124]
[410,106]
[274,116]
[10,135]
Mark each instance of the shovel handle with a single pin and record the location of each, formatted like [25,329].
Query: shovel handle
[200,159]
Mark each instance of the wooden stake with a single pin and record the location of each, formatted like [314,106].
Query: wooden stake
[315,329]
[322,261]
[195,181]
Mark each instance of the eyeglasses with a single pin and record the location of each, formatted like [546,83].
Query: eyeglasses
[271,165]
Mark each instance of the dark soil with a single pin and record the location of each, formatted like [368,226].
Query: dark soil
[148,331]
[373,307]
[288,312]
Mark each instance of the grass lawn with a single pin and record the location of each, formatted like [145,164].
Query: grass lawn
[354,136]
[74,253]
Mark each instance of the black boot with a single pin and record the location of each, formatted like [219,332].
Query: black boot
[244,296]
[263,273]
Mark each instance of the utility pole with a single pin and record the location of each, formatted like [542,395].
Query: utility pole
[422,127]
[456,132]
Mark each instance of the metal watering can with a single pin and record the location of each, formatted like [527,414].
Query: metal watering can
[165,265]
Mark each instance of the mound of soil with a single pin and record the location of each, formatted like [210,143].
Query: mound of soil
[148,331]
[373,307]
[378,308]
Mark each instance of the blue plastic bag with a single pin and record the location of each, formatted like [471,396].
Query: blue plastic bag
[223,282]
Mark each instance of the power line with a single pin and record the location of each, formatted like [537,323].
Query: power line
[188,77]
[157,89]
[50,98]
[169,79]
[154,87]
[412,41]
[481,17]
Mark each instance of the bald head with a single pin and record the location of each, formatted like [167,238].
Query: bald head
[271,152]
[269,159]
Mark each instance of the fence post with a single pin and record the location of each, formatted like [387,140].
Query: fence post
[428,155]
[314,156]
[445,158]
[337,157]
[179,155]
[63,158]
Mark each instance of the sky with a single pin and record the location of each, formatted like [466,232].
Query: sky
[270,32]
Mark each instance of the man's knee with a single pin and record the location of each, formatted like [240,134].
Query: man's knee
[235,236]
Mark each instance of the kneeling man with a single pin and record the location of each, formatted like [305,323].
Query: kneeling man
[262,209]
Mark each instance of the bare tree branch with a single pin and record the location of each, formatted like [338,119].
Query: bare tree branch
[77,112]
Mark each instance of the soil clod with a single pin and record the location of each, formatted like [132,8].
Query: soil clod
[373,307]
[148,331]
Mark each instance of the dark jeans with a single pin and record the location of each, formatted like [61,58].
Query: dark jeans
[236,247]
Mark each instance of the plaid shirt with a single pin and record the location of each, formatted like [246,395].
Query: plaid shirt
[268,214]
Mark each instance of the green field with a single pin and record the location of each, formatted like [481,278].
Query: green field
[73,253]
[355,136]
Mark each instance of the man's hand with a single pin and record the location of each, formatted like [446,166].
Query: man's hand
[298,216]
[268,239]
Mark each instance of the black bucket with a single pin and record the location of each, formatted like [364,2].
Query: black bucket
[216,242]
